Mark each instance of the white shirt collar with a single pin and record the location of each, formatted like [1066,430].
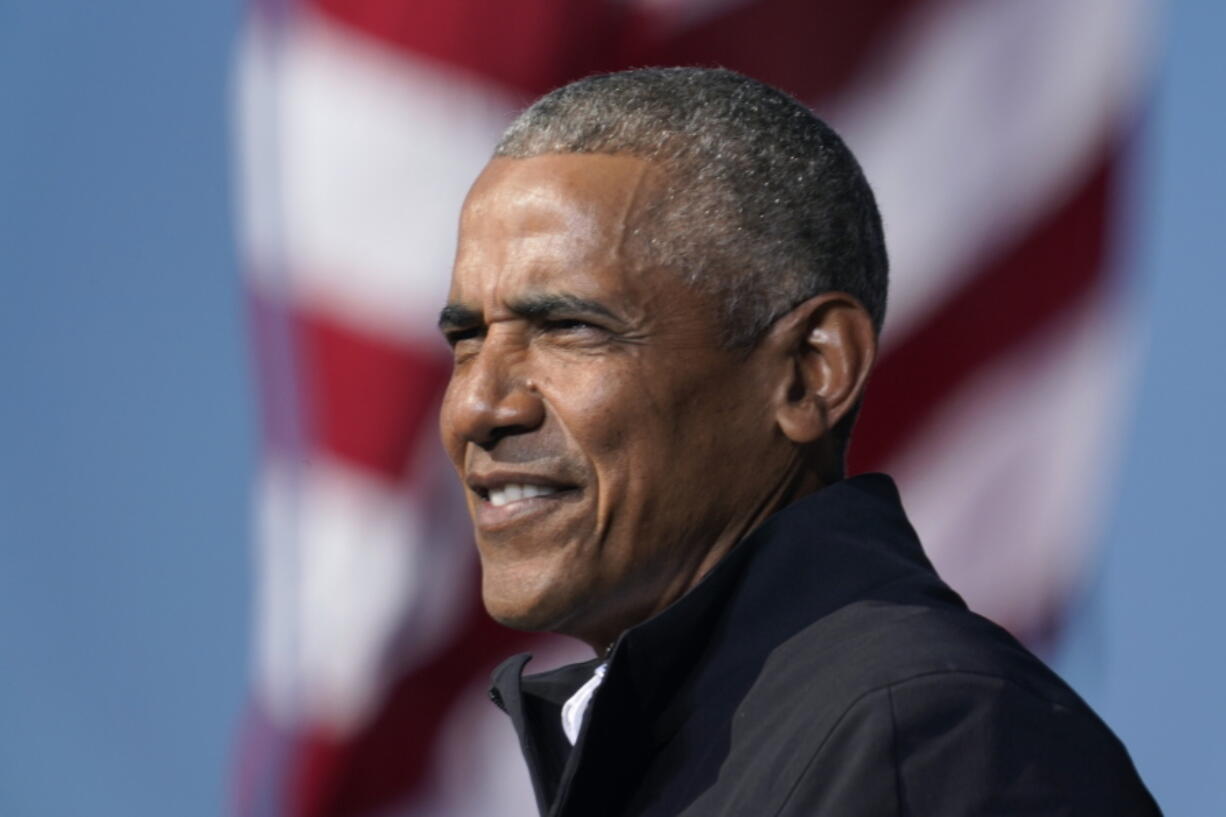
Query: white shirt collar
[576,705]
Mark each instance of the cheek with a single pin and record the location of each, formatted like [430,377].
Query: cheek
[595,404]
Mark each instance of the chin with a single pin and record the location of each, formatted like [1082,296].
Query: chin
[515,617]
[523,608]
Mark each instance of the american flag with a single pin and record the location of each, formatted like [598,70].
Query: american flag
[994,133]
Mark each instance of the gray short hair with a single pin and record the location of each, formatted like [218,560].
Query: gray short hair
[764,205]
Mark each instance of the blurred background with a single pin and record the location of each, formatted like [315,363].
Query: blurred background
[234,577]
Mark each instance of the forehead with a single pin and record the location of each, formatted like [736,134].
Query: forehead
[555,219]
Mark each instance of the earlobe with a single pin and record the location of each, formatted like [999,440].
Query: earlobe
[831,346]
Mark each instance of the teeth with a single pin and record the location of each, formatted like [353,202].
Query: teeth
[515,491]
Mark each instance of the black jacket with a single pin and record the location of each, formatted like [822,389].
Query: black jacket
[821,668]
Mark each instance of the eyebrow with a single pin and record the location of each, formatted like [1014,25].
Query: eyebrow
[456,316]
[533,307]
[547,305]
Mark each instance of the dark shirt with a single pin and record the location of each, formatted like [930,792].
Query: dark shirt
[822,668]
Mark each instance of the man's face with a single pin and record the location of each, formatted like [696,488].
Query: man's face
[611,449]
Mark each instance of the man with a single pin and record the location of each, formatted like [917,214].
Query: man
[664,310]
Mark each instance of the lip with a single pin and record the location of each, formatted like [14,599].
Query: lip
[489,518]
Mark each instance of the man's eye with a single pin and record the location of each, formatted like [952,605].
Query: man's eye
[570,325]
[465,344]
[465,349]
[455,336]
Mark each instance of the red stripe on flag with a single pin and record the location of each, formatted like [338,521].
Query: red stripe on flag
[530,46]
[318,757]
[368,398]
[808,48]
[1012,300]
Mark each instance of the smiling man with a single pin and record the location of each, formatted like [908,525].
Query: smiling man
[664,310]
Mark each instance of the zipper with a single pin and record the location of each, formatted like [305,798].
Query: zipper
[496,697]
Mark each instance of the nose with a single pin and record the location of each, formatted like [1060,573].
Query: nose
[490,397]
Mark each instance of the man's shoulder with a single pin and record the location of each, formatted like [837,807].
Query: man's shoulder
[907,663]
[871,647]
[874,644]
[919,695]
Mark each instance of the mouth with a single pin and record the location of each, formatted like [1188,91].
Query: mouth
[507,498]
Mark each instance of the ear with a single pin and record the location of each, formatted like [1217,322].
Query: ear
[831,345]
